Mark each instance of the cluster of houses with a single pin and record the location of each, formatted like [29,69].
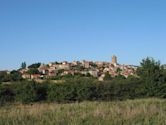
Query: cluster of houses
[86,68]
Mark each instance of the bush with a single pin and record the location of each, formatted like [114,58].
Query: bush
[87,91]
[41,92]
[61,93]
[75,90]
[26,92]
[6,94]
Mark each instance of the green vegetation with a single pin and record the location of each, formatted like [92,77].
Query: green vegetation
[107,76]
[153,76]
[115,101]
[33,69]
[34,66]
[13,76]
[23,65]
[129,112]
[71,77]
[72,90]
[150,82]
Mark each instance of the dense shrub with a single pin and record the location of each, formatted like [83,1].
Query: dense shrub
[92,90]
[87,91]
[60,93]
[77,90]
[6,94]
[41,92]
[27,92]
[71,90]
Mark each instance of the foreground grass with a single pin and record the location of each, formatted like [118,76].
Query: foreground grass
[130,112]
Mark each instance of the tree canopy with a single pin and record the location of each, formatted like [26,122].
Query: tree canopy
[23,65]
[152,74]
[35,65]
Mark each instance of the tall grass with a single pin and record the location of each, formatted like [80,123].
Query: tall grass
[130,112]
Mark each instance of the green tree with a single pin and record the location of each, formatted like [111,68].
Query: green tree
[150,69]
[23,65]
[150,72]
[35,65]
[120,77]
[33,71]
[15,75]
[107,76]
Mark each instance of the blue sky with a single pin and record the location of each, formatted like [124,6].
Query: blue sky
[57,30]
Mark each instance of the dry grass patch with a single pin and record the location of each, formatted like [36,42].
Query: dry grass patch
[135,112]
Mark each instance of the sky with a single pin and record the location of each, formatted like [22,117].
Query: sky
[58,30]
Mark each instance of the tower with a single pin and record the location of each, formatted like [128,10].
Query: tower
[114,59]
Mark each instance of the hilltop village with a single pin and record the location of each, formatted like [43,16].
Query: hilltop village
[84,68]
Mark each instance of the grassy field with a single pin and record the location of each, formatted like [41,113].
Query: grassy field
[130,112]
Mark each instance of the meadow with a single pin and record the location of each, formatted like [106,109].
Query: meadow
[150,111]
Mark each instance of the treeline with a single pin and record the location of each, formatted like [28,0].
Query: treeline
[150,82]
[71,91]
